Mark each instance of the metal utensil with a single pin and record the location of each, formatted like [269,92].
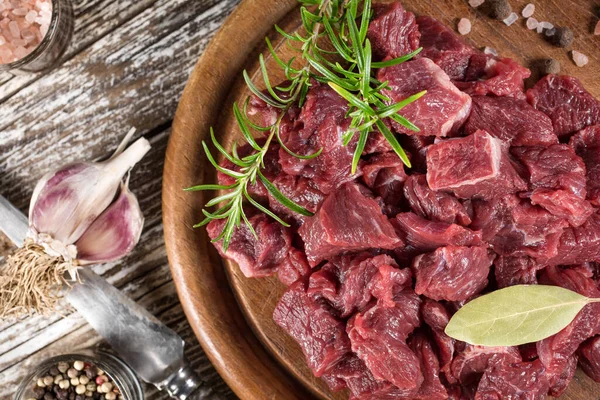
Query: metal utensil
[149,347]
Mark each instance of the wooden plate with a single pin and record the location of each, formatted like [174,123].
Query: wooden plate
[230,314]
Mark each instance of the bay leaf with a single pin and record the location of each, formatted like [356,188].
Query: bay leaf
[516,315]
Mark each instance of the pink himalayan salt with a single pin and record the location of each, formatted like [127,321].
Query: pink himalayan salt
[511,19]
[23,25]
[532,23]
[476,3]
[464,26]
[597,29]
[580,59]
[528,10]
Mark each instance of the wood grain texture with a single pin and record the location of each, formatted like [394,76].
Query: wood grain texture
[127,66]
[214,86]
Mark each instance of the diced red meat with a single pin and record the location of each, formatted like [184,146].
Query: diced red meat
[447,49]
[586,144]
[512,271]
[579,245]
[440,112]
[589,358]
[320,125]
[556,351]
[437,317]
[511,120]
[563,204]
[554,167]
[388,281]
[346,282]
[567,103]
[431,388]
[416,147]
[384,175]
[293,267]
[349,220]
[298,189]
[475,166]
[321,336]
[470,364]
[433,205]
[393,32]
[561,382]
[378,337]
[255,257]
[523,381]
[503,77]
[452,273]
[424,235]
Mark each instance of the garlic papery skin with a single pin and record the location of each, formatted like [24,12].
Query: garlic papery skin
[114,233]
[71,198]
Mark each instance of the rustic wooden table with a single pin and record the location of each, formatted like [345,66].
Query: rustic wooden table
[126,67]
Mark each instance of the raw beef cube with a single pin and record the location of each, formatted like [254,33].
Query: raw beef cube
[298,189]
[504,77]
[431,388]
[424,235]
[589,358]
[349,220]
[255,257]
[384,175]
[416,147]
[440,112]
[437,317]
[556,351]
[474,166]
[489,217]
[320,125]
[523,380]
[446,48]
[393,32]
[554,167]
[567,103]
[563,204]
[579,245]
[346,282]
[527,230]
[293,267]
[511,120]
[378,337]
[512,271]
[452,273]
[321,336]
[432,205]
[471,363]
[388,282]
[272,170]
[560,383]
[587,146]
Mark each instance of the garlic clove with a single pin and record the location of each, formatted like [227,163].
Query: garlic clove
[67,201]
[114,233]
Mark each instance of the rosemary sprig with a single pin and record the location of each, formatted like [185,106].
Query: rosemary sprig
[333,22]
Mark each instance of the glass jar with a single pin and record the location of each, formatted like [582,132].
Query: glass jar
[123,377]
[53,45]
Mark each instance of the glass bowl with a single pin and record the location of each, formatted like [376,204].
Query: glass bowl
[53,45]
[123,377]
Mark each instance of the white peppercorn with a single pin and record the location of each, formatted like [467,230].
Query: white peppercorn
[41,383]
[110,396]
[89,394]
[78,365]
[107,387]
[57,379]
[64,384]
[63,367]
[80,389]
[84,380]
[91,387]
[72,373]
[75,381]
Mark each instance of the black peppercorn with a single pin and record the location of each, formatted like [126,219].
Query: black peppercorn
[550,66]
[38,392]
[91,372]
[54,371]
[62,394]
[71,395]
[49,396]
[80,397]
[499,9]
[561,37]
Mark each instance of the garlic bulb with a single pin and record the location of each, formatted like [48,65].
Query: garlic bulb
[80,214]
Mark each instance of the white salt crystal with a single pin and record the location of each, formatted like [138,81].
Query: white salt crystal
[546,25]
[597,29]
[464,26]
[490,50]
[476,3]
[528,10]
[511,19]
[580,59]
[532,23]
[540,28]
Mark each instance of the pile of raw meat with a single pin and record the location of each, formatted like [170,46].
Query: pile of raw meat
[504,190]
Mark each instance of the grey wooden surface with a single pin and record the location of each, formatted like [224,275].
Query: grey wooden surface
[126,67]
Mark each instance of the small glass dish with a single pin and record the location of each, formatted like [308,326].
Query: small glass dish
[53,45]
[123,377]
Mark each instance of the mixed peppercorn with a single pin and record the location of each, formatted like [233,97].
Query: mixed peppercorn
[76,381]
